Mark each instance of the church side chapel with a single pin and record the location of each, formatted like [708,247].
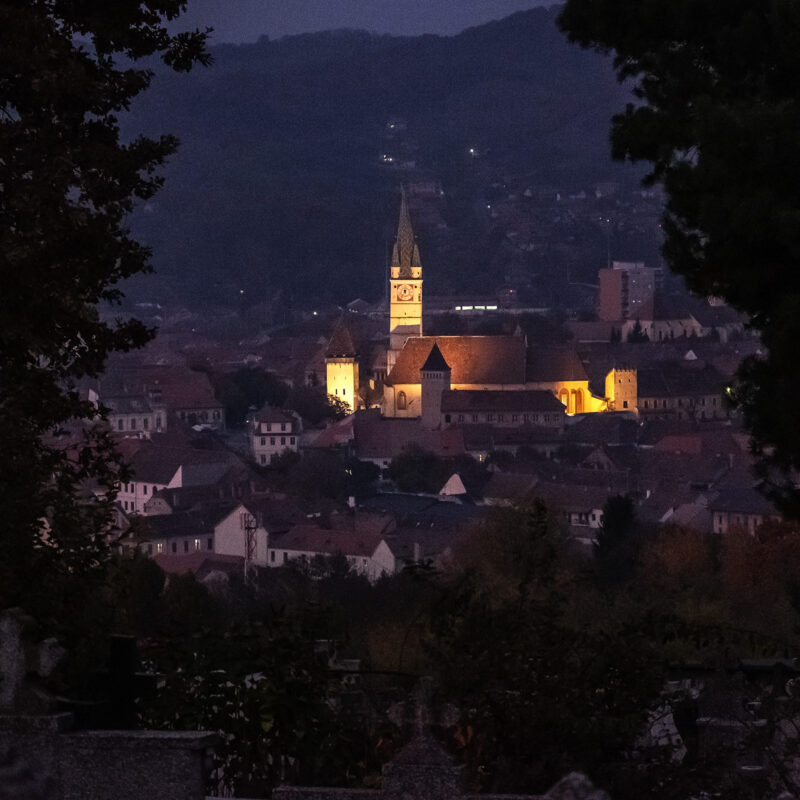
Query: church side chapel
[451,380]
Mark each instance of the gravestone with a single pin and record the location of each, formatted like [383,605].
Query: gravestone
[43,756]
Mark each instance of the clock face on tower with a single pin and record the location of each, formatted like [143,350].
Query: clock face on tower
[405,291]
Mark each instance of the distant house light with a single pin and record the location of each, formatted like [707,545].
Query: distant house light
[481,308]
[466,308]
[458,308]
[491,308]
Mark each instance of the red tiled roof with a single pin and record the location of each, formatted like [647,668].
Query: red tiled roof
[384,437]
[335,434]
[509,485]
[489,360]
[199,563]
[272,414]
[549,363]
[311,539]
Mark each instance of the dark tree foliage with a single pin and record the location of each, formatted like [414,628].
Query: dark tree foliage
[66,185]
[418,470]
[542,689]
[246,388]
[618,541]
[637,334]
[717,117]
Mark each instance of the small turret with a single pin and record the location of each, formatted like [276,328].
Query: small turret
[622,390]
[435,379]
[341,366]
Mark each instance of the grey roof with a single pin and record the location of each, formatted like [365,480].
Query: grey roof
[609,428]
[518,400]
[742,500]
[435,361]
[197,522]
[158,464]
[679,380]
[423,513]
[128,404]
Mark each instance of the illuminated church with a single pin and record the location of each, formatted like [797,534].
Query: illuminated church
[450,380]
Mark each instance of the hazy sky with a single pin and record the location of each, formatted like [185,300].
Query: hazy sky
[246,20]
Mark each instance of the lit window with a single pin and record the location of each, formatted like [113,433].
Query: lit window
[160,547]
[196,544]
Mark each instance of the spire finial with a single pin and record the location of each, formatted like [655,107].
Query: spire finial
[405,255]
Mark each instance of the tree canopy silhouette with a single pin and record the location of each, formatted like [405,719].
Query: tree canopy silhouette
[67,181]
[717,117]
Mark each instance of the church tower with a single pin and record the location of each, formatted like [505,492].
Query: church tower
[405,287]
[341,366]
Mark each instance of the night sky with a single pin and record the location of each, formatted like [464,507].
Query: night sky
[246,20]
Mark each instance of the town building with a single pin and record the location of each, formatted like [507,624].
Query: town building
[272,433]
[627,291]
[135,415]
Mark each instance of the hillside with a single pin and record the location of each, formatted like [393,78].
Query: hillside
[280,183]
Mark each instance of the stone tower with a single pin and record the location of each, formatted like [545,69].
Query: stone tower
[405,287]
[622,391]
[341,366]
[435,379]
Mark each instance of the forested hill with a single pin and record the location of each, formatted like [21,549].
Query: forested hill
[279,183]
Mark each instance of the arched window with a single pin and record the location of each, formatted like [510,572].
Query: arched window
[577,395]
[402,402]
[563,396]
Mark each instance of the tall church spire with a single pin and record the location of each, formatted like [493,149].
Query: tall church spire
[405,286]
[405,255]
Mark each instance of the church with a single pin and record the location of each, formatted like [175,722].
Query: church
[451,380]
